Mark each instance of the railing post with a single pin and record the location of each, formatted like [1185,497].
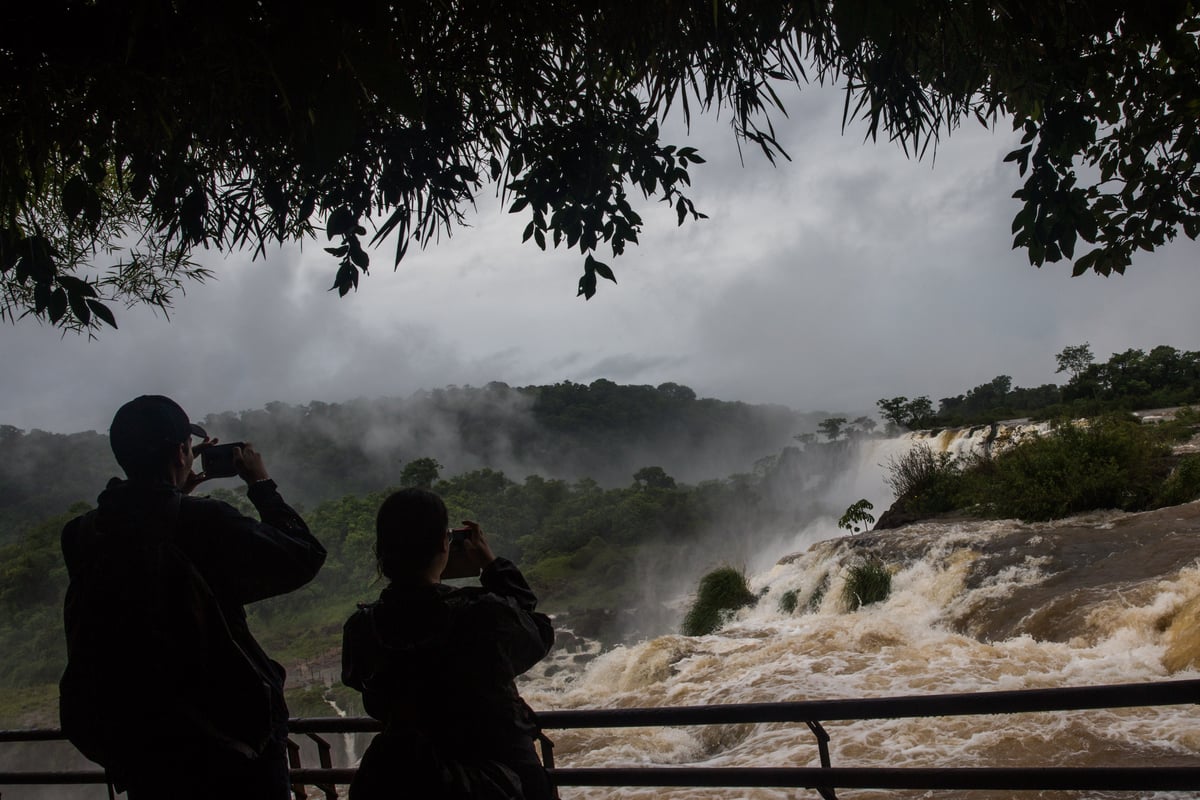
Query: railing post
[547,747]
[823,751]
[325,756]
[293,751]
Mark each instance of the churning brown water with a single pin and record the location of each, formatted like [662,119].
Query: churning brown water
[975,606]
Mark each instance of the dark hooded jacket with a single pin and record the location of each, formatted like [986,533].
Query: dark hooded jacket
[437,664]
[242,559]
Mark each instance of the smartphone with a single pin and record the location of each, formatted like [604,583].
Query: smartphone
[459,564]
[216,461]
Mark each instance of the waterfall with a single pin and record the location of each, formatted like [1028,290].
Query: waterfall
[349,747]
[1102,598]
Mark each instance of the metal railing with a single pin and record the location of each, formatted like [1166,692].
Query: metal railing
[825,779]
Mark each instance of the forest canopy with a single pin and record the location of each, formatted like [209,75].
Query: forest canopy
[137,132]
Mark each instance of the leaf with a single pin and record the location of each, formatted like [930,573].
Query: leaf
[338,251]
[74,195]
[77,286]
[587,285]
[345,280]
[139,186]
[340,223]
[359,256]
[519,205]
[79,307]
[41,296]
[1084,263]
[102,311]
[37,261]
[604,271]
[58,305]
[96,170]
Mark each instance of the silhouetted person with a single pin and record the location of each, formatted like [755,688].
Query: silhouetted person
[437,664]
[211,698]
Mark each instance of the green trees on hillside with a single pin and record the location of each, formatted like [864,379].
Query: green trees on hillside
[1128,381]
[1111,462]
[902,414]
[321,451]
[1134,378]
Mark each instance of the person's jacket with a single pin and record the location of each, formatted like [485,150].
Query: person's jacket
[242,559]
[443,660]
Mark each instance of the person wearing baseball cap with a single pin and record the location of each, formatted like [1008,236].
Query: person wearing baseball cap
[145,430]
[195,750]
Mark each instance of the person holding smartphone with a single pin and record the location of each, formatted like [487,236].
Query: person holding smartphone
[159,581]
[437,663]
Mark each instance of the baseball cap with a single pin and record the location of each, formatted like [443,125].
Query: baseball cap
[145,427]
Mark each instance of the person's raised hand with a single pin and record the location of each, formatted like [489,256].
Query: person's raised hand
[478,550]
[249,463]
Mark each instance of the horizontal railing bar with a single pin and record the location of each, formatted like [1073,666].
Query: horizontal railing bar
[33,735]
[981,703]
[1005,778]
[50,777]
[935,705]
[969,778]
[1077,698]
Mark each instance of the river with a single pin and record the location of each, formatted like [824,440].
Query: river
[975,605]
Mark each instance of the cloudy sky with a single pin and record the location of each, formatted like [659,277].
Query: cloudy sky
[850,274]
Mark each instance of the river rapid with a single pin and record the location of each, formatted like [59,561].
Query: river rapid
[975,606]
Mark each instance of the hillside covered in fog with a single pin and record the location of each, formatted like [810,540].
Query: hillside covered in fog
[319,451]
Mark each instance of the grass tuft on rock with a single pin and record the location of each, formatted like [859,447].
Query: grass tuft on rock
[866,582]
[787,603]
[721,592]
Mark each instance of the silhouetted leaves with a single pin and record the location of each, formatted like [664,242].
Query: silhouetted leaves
[559,106]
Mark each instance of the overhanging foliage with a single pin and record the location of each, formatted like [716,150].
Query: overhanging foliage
[135,132]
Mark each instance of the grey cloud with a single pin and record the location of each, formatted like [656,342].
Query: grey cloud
[849,274]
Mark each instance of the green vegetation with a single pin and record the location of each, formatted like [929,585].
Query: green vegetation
[788,601]
[314,701]
[326,451]
[113,137]
[1110,462]
[818,596]
[924,482]
[581,546]
[857,517]
[867,582]
[1128,381]
[721,592]
[900,413]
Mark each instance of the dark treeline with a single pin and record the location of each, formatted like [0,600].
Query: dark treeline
[1128,381]
[319,451]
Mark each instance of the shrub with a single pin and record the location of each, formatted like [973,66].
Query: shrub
[1112,462]
[924,481]
[867,582]
[857,514]
[787,603]
[721,592]
[818,596]
[1182,485]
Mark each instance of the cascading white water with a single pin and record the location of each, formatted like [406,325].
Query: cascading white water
[349,749]
[953,584]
